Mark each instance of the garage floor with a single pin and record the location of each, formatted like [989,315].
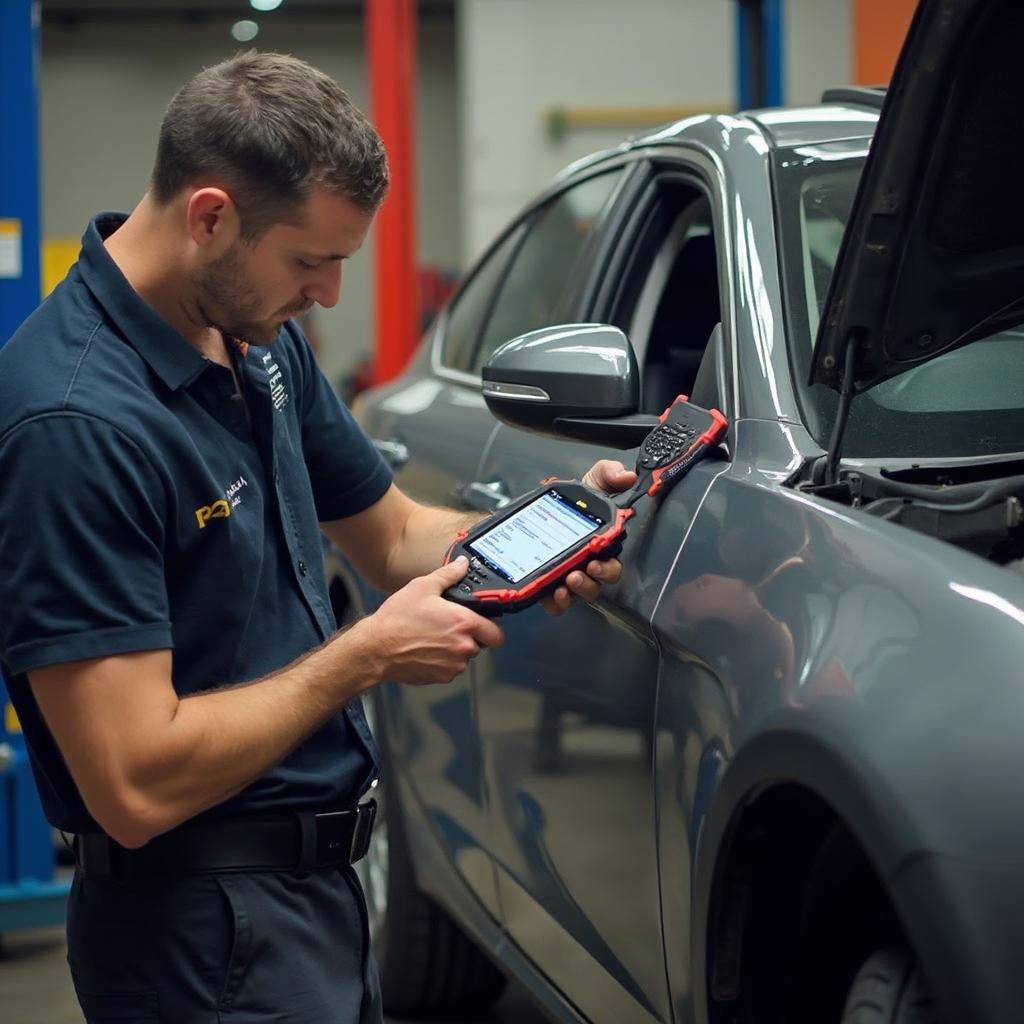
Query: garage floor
[35,987]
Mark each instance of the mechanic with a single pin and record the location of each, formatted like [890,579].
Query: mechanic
[170,452]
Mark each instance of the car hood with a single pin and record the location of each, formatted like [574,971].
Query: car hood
[933,255]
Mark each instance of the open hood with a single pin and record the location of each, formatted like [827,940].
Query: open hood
[933,255]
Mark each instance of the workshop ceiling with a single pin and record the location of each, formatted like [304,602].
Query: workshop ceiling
[79,10]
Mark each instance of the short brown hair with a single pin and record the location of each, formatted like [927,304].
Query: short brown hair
[271,127]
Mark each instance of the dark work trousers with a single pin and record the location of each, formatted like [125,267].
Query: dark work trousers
[246,948]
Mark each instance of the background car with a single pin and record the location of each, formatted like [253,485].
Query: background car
[775,773]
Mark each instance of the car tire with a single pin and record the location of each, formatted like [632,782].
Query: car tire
[427,966]
[889,989]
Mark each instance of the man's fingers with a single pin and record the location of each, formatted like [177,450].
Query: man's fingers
[609,475]
[583,586]
[450,574]
[488,633]
[607,571]
[558,601]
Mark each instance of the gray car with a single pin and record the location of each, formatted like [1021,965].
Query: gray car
[777,772]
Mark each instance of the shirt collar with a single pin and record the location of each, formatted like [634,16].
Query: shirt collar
[168,354]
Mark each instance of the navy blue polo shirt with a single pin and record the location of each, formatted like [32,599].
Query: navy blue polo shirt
[142,508]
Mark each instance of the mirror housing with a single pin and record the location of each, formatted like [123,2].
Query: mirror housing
[568,371]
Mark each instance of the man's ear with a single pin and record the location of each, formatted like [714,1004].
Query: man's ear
[212,219]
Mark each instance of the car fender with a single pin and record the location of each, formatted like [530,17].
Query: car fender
[939,897]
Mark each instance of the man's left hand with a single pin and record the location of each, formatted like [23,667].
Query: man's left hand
[611,477]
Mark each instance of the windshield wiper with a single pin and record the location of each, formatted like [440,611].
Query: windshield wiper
[1012,311]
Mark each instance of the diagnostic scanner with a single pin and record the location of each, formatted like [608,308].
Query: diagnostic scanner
[527,548]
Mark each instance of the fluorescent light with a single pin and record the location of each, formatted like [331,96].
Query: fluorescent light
[265,5]
[244,31]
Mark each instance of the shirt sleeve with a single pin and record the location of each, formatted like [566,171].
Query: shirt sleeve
[346,471]
[82,515]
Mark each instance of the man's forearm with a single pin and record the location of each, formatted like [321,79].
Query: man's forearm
[217,742]
[426,538]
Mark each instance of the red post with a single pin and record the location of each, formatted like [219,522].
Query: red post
[391,44]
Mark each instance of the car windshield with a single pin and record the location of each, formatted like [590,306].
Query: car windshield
[966,403]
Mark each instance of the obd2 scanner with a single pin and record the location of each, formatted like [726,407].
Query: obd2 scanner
[527,548]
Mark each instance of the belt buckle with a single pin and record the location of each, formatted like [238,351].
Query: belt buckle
[344,836]
[366,814]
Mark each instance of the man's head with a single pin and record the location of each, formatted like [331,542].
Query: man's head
[269,128]
[278,176]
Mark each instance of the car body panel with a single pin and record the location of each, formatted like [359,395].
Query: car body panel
[829,633]
[565,712]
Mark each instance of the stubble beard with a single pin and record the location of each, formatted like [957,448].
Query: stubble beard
[229,304]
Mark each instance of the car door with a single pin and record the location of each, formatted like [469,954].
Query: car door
[567,706]
[432,426]
[435,423]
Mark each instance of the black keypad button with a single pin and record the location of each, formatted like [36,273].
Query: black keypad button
[666,443]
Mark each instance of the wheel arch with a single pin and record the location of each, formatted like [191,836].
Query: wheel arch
[789,812]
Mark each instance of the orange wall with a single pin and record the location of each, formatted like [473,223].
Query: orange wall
[879,27]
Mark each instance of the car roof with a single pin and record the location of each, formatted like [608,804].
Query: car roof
[808,126]
[847,114]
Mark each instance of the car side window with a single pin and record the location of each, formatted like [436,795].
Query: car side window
[470,307]
[538,284]
[670,304]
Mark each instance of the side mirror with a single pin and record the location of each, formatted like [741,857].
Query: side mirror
[569,381]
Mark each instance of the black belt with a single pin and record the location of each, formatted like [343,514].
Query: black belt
[299,841]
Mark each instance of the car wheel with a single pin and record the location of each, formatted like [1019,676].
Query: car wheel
[427,966]
[889,989]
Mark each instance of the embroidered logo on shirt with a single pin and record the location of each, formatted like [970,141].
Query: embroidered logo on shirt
[221,508]
[232,492]
[278,394]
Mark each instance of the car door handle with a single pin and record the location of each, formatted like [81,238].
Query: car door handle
[394,453]
[487,497]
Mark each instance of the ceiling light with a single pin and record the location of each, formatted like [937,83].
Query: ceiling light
[244,31]
[265,5]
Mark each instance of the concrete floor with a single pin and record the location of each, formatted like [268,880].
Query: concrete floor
[35,987]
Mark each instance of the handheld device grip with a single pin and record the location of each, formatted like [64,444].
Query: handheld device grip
[684,435]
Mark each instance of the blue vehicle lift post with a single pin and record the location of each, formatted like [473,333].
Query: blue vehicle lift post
[759,53]
[30,897]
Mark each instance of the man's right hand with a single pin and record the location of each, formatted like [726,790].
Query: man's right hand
[146,759]
[421,637]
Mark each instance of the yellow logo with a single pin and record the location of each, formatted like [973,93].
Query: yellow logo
[581,503]
[220,509]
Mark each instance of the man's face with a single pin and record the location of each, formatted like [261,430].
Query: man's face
[250,290]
